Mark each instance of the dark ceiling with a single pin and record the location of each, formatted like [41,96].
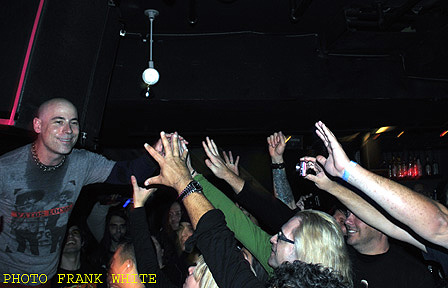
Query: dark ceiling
[235,69]
[250,68]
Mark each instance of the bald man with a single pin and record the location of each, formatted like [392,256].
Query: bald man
[40,183]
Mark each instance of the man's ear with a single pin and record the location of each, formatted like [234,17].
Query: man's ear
[37,125]
[129,265]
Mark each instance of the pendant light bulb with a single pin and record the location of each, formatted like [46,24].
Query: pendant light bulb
[150,76]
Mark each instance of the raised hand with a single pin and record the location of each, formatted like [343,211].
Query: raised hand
[140,195]
[301,203]
[158,146]
[320,179]
[215,162]
[230,164]
[277,146]
[173,168]
[337,160]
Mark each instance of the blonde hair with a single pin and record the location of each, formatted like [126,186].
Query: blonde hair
[203,275]
[319,240]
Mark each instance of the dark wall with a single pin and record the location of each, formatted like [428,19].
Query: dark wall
[17,20]
[72,57]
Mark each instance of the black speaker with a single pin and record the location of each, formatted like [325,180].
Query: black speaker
[58,49]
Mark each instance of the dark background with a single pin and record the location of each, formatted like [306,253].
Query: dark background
[236,71]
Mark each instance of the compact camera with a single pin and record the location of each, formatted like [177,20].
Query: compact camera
[301,168]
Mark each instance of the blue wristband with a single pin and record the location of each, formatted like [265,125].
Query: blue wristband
[346,173]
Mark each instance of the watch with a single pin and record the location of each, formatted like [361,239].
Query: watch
[192,187]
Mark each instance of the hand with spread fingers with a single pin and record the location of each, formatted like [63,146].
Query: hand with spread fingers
[337,160]
[215,162]
[140,195]
[277,146]
[223,169]
[173,168]
[158,146]
[229,162]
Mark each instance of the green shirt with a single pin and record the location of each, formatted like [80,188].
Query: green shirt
[249,234]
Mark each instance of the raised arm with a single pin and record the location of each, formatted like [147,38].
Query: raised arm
[174,173]
[211,235]
[250,235]
[223,169]
[356,204]
[282,189]
[145,252]
[255,200]
[141,167]
[426,217]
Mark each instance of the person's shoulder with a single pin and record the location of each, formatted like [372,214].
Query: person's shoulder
[77,152]
[432,249]
[12,155]
[404,258]
[83,153]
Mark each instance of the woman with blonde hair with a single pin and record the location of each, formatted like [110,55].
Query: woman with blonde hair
[319,240]
[200,276]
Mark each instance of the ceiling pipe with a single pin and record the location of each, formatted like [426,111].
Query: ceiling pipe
[192,13]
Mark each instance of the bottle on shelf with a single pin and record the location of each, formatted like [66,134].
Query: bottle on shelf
[394,167]
[404,168]
[435,168]
[428,167]
[410,169]
[419,167]
[399,168]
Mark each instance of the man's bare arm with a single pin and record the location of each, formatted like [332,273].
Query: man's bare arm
[426,217]
[360,207]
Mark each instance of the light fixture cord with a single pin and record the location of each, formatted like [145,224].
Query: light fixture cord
[150,39]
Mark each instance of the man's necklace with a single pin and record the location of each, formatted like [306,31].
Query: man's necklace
[42,166]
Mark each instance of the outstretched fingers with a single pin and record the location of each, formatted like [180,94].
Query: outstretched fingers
[175,144]
[227,159]
[281,137]
[154,180]
[330,136]
[320,132]
[166,144]
[207,150]
[237,161]
[215,148]
[211,146]
[154,153]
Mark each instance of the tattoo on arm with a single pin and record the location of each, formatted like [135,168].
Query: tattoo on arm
[282,189]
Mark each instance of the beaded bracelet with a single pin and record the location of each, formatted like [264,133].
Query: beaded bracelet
[278,165]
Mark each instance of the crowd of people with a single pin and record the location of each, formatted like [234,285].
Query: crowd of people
[378,233]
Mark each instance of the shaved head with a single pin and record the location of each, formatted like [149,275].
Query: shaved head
[44,107]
